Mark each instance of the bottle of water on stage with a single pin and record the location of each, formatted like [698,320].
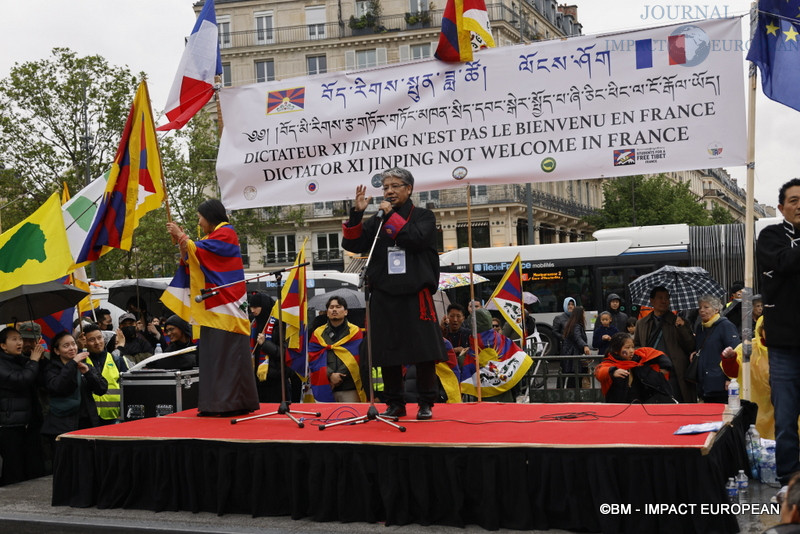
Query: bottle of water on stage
[742,486]
[732,490]
[158,350]
[754,451]
[733,396]
[768,474]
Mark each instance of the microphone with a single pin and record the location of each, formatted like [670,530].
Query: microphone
[380,214]
[201,298]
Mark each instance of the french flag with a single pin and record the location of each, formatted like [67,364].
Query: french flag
[194,82]
[676,51]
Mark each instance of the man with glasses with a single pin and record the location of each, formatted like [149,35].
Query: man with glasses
[403,275]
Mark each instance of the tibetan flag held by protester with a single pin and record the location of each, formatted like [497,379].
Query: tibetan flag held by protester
[775,49]
[294,312]
[465,28]
[502,364]
[194,82]
[212,262]
[55,323]
[136,169]
[346,349]
[449,374]
[508,296]
[35,250]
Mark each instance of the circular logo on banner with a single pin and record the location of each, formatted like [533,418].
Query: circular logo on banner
[312,187]
[689,47]
[250,192]
[459,173]
[377,180]
[548,164]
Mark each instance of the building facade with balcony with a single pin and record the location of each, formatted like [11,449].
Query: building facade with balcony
[264,40]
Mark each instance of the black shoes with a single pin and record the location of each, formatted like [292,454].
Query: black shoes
[424,412]
[394,410]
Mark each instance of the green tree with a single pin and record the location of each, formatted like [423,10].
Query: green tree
[720,215]
[43,139]
[656,200]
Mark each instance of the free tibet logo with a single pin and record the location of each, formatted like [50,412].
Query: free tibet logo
[625,156]
[548,164]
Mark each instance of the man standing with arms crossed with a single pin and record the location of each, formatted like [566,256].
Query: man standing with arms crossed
[778,253]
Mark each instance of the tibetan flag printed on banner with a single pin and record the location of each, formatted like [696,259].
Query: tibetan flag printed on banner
[346,349]
[508,296]
[35,250]
[286,100]
[501,364]
[212,262]
[135,184]
[200,63]
[465,28]
[776,50]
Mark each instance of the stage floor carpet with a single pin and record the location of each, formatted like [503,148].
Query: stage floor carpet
[520,466]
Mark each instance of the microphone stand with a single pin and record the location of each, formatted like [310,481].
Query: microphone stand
[283,409]
[372,411]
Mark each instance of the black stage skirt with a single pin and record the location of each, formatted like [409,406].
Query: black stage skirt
[404,329]
[227,382]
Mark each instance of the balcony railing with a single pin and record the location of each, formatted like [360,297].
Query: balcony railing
[328,255]
[279,257]
[338,30]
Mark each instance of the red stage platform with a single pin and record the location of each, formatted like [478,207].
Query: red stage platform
[497,465]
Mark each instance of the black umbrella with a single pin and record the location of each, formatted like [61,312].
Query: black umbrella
[147,292]
[354,299]
[33,301]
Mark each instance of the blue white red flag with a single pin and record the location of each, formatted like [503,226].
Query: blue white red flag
[501,364]
[211,262]
[508,296]
[465,28]
[776,50]
[194,82]
[135,184]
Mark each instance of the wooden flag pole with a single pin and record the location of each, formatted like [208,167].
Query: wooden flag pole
[473,319]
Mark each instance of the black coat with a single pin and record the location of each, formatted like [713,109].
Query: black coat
[779,261]
[18,402]
[61,380]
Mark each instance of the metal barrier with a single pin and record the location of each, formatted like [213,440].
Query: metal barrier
[546,382]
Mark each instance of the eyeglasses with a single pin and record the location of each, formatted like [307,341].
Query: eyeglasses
[495,326]
[387,187]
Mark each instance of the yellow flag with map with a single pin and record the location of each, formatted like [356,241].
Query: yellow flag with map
[36,250]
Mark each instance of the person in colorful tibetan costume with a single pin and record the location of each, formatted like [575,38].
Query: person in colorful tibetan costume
[403,275]
[627,374]
[338,342]
[227,383]
[499,363]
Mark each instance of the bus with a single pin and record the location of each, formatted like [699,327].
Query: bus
[589,271]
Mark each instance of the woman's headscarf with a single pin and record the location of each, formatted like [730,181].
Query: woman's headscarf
[566,304]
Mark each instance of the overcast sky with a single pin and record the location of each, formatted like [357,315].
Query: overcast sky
[148,35]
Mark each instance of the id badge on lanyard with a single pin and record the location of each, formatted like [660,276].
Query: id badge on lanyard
[397,260]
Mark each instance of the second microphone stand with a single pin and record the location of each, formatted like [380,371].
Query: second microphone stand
[372,411]
[283,409]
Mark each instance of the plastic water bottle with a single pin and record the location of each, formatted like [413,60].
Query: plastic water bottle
[732,490]
[158,350]
[742,486]
[768,474]
[733,396]
[754,451]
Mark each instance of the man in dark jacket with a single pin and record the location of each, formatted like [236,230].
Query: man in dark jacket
[342,366]
[618,318]
[402,276]
[779,258]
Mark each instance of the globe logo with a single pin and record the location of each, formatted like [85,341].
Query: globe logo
[696,42]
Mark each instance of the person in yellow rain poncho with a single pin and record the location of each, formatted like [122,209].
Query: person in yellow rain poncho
[759,378]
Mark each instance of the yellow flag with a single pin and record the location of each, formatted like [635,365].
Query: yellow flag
[36,250]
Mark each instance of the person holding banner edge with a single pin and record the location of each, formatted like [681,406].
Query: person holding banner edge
[402,277]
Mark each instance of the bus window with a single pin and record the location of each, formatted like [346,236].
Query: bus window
[552,286]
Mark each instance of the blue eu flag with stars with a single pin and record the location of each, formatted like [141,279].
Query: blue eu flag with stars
[776,50]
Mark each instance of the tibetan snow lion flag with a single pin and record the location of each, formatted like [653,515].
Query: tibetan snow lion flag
[200,63]
[135,184]
[500,364]
[212,262]
[346,349]
[465,28]
[508,296]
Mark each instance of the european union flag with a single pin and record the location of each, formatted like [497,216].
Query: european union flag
[776,50]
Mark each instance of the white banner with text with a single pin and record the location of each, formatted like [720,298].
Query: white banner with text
[648,101]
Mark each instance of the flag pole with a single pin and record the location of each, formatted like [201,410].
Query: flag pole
[218,83]
[749,238]
[473,319]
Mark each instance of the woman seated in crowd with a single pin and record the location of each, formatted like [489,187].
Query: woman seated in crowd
[627,374]
[70,382]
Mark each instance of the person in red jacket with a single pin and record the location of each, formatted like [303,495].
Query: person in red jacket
[627,374]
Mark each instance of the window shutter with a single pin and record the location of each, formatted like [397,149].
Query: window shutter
[380,55]
[405,52]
